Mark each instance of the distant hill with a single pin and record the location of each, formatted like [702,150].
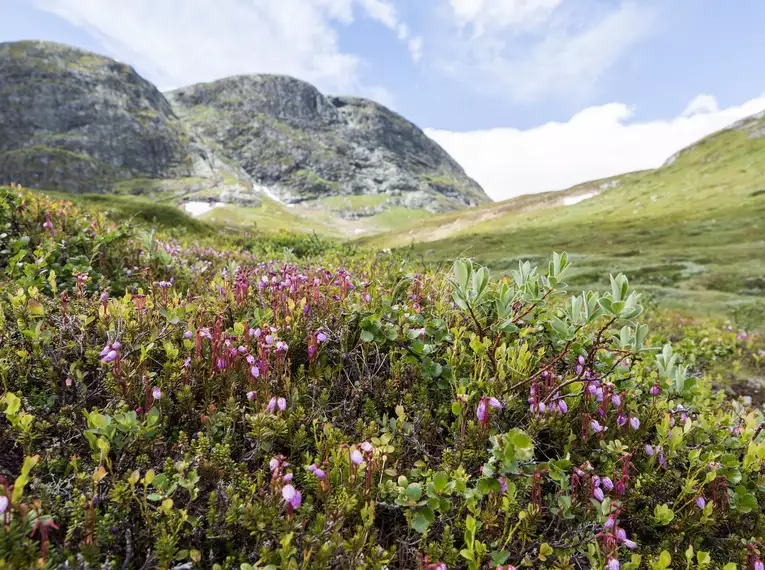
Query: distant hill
[691,232]
[306,147]
[76,121]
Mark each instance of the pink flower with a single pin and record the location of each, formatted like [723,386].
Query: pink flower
[621,536]
[321,337]
[271,405]
[156,393]
[281,403]
[273,464]
[292,496]
[655,390]
[3,504]
[607,483]
[356,457]
[255,371]
[287,478]
[596,427]
[758,565]
[563,406]
[481,412]
[366,447]
[616,400]
[252,395]
[317,471]
[613,564]
[634,422]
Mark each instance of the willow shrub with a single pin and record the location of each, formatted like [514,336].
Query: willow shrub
[177,405]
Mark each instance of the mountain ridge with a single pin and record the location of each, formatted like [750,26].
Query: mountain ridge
[78,121]
[308,146]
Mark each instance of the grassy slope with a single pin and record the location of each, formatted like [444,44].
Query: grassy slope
[692,233]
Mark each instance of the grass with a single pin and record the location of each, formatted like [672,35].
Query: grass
[691,233]
[270,216]
[353,203]
[124,208]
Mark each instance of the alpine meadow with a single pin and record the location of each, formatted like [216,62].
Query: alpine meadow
[245,324]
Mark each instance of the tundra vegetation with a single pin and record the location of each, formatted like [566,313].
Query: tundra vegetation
[174,398]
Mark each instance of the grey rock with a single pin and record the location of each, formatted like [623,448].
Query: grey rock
[77,121]
[306,146]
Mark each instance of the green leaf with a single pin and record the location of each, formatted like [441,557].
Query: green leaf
[414,491]
[420,521]
[367,336]
[440,480]
[461,273]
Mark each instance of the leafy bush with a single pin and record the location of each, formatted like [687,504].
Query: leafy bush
[187,405]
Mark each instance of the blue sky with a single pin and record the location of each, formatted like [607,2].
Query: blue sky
[528,95]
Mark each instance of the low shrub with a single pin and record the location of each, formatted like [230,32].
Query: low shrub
[183,405]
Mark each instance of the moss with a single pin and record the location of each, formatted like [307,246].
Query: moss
[310,177]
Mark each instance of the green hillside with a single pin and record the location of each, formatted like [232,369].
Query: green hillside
[692,232]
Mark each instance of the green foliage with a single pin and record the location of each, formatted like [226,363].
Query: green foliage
[289,403]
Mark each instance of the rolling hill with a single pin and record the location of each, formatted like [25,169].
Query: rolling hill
[691,232]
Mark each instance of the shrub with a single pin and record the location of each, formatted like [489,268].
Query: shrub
[189,405]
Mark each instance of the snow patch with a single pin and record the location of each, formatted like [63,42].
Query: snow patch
[571,200]
[196,208]
[267,191]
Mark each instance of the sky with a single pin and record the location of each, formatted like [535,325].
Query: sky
[527,95]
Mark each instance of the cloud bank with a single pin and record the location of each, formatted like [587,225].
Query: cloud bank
[179,42]
[595,143]
[527,49]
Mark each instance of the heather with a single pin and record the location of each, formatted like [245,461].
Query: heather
[180,399]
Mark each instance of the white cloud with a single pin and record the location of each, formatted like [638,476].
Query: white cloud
[497,14]
[382,11]
[179,42]
[528,49]
[595,143]
[415,48]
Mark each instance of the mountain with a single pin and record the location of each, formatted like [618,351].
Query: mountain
[76,121]
[306,147]
[691,232]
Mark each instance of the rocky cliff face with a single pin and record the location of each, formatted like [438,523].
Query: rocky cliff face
[81,122]
[306,146]
[77,121]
